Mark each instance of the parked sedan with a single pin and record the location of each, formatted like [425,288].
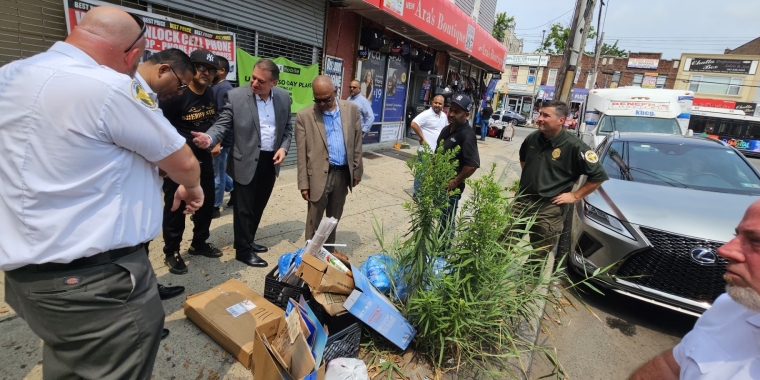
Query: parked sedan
[509,117]
[671,201]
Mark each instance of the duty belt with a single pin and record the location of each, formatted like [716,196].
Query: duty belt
[83,262]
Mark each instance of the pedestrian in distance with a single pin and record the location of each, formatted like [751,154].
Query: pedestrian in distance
[259,116]
[329,154]
[84,143]
[552,160]
[365,109]
[723,343]
[193,111]
[485,117]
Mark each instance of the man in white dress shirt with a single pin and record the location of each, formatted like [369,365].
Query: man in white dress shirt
[80,196]
[724,342]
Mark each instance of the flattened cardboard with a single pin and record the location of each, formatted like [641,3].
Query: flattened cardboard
[267,368]
[378,312]
[209,311]
[323,277]
[331,302]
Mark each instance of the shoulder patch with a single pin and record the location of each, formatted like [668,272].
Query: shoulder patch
[141,96]
[590,156]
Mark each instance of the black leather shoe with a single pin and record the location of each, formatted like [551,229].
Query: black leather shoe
[251,259]
[259,248]
[166,292]
[164,334]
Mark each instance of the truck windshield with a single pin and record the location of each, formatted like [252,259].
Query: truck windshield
[609,124]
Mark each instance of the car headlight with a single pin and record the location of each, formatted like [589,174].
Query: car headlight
[606,220]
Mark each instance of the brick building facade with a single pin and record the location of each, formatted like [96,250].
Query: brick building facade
[615,71]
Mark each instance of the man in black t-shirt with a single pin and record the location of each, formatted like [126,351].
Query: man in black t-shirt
[193,111]
[485,116]
[459,133]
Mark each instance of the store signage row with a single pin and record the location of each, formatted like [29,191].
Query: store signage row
[749,109]
[726,66]
[443,20]
[578,95]
[643,63]
[165,32]
[526,60]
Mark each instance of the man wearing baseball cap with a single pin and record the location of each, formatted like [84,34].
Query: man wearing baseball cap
[459,134]
[193,111]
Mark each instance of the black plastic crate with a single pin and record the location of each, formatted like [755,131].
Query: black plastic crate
[344,333]
[279,293]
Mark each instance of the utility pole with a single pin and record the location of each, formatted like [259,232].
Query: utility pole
[574,49]
[543,33]
[596,58]
[537,83]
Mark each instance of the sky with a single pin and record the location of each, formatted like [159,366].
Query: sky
[672,27]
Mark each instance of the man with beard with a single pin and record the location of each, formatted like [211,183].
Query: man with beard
[459,134]
[723,343]
[193,111]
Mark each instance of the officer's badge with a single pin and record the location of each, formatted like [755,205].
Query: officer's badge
[139,94]
[555,153]
[590,156]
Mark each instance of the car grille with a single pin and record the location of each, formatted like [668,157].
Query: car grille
[668,267]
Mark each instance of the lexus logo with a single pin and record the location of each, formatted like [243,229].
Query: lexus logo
[703,256]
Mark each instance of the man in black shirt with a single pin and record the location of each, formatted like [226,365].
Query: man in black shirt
[485,115]
[193,111]
[459,133]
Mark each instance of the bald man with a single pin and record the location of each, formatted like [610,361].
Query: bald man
[81,194]
[329,143]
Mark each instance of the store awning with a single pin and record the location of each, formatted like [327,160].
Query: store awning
[439,24]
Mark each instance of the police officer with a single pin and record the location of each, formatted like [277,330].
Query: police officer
[81,193]
[552,160]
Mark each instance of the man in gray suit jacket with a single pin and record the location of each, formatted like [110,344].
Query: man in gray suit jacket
[329,146]
[260,118]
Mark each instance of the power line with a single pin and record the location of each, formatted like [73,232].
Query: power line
[547,22]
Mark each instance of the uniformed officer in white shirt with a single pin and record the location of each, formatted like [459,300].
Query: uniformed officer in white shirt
[81,193]
[724,342]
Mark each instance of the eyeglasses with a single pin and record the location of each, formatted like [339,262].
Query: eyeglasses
[142,25]
[325,101]
[181,86]
[203,69]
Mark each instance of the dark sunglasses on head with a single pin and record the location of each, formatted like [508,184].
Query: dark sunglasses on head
[323,101]
[203,69]
[142,25]
[181,86]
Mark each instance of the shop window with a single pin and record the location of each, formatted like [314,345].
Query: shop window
[707,84]
[604,61]
[616,77]
[661,81]
[637,79]
[513,74]
[552,77]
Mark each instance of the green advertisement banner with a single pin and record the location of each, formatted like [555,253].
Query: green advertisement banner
[294,78]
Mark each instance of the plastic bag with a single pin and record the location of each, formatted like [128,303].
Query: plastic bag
[377,270]
[346,369]
[288,259]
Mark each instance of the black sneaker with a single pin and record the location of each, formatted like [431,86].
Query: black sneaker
[205,249]
[216,214]
[175,263]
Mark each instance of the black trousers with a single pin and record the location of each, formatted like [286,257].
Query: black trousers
[174,221]
[250,201]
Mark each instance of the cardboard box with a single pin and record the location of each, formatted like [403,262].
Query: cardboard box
[324,277]
[268,367]
[378,312]
[231,314]
[331,302]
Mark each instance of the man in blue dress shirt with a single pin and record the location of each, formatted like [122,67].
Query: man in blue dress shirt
[365,109]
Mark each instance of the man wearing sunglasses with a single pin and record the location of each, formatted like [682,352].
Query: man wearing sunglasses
[329,141]
[80,196]
[365,109]
[193,111]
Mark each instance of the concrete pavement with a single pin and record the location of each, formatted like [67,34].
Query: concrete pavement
[188,352]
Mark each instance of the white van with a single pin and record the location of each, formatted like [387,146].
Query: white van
[634,109]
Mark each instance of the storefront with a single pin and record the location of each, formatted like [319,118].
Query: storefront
[577,96]
[407,52]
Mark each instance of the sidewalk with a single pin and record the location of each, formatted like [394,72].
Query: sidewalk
[187,352]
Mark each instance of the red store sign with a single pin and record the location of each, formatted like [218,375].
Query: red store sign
[714,103]
[446,22]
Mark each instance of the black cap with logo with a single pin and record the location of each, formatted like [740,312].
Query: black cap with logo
[204,57]
[463,101]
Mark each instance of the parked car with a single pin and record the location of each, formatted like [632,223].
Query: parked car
[508,117]
[670,202]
